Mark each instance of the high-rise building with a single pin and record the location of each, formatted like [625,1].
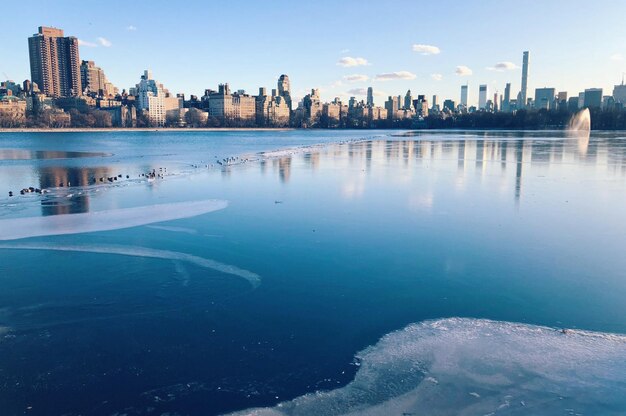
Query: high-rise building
[435,103]
[408,100]
[593,98]
[151,98]
[94,80]
[370,96]
[482,96]
[544,98]
[55,62]
[619,93]
[464,95]
[524,90]
[284,89]
[506,102]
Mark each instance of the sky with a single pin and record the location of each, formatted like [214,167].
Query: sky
[340,47]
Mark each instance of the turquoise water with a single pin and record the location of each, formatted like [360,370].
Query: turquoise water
[267,282]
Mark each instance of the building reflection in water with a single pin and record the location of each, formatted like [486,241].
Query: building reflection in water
[284,168]
[513,154]
[56,176]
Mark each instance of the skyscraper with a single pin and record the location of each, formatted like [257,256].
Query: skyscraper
[544,98]
[523,92]
[370,96]
[408,100]
[482,96]
[593,98]
[284,89]
[94,80]
[506,103]
[55,62]
[464,95]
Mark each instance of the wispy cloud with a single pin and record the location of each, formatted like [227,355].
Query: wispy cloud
[104,42]
[391,76]
[436,77]
[87,44]
[344,51]
[618,57]
[357,91]
[426,49]
[131,28]
[356,78]
[503,66]
[348,61]
[463,71]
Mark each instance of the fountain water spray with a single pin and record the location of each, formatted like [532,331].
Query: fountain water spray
[579,127]
[580,121]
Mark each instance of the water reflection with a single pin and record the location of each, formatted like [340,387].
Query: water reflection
[25,154]
[503,162]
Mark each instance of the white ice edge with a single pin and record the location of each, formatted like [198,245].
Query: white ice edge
[113,219]
[466,366]
[135,251]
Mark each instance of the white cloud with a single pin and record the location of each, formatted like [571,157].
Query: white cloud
[336,84]
[344,51]
[87,44]
[503,66]
[131,28]
[348,61]
[104,42]
[436,77]
[356,78]
[463,71]
[357,91]
[426,49]
[617,57]
[391,76]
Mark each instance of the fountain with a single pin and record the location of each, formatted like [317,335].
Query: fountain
[579,127]
[580,121]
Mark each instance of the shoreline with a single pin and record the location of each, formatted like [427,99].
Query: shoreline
[139,129]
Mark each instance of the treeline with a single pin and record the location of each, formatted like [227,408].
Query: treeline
[527,120]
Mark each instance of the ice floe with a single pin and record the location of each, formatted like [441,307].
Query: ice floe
[113,219]
[481,367]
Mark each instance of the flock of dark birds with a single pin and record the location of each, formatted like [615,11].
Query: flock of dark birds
[111,179]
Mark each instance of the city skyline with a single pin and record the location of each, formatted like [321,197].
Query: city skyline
[433,60]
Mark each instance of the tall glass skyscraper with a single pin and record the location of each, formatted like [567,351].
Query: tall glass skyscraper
[524,91]
[464,95]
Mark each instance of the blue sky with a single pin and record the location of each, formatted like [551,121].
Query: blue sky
[194,45]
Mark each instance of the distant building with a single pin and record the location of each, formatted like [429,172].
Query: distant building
[312,105]
[93,80]
[506,102]
[408,100]
[435,103]
[572,104]
[271,110]
[284,89]
[55,62]
[449,105]
[544,98]
[370,96]
[464,95]
[619,93]
[392,106]
[226,106]
[593,98]
[482,97]
[151,98]
[523,93]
